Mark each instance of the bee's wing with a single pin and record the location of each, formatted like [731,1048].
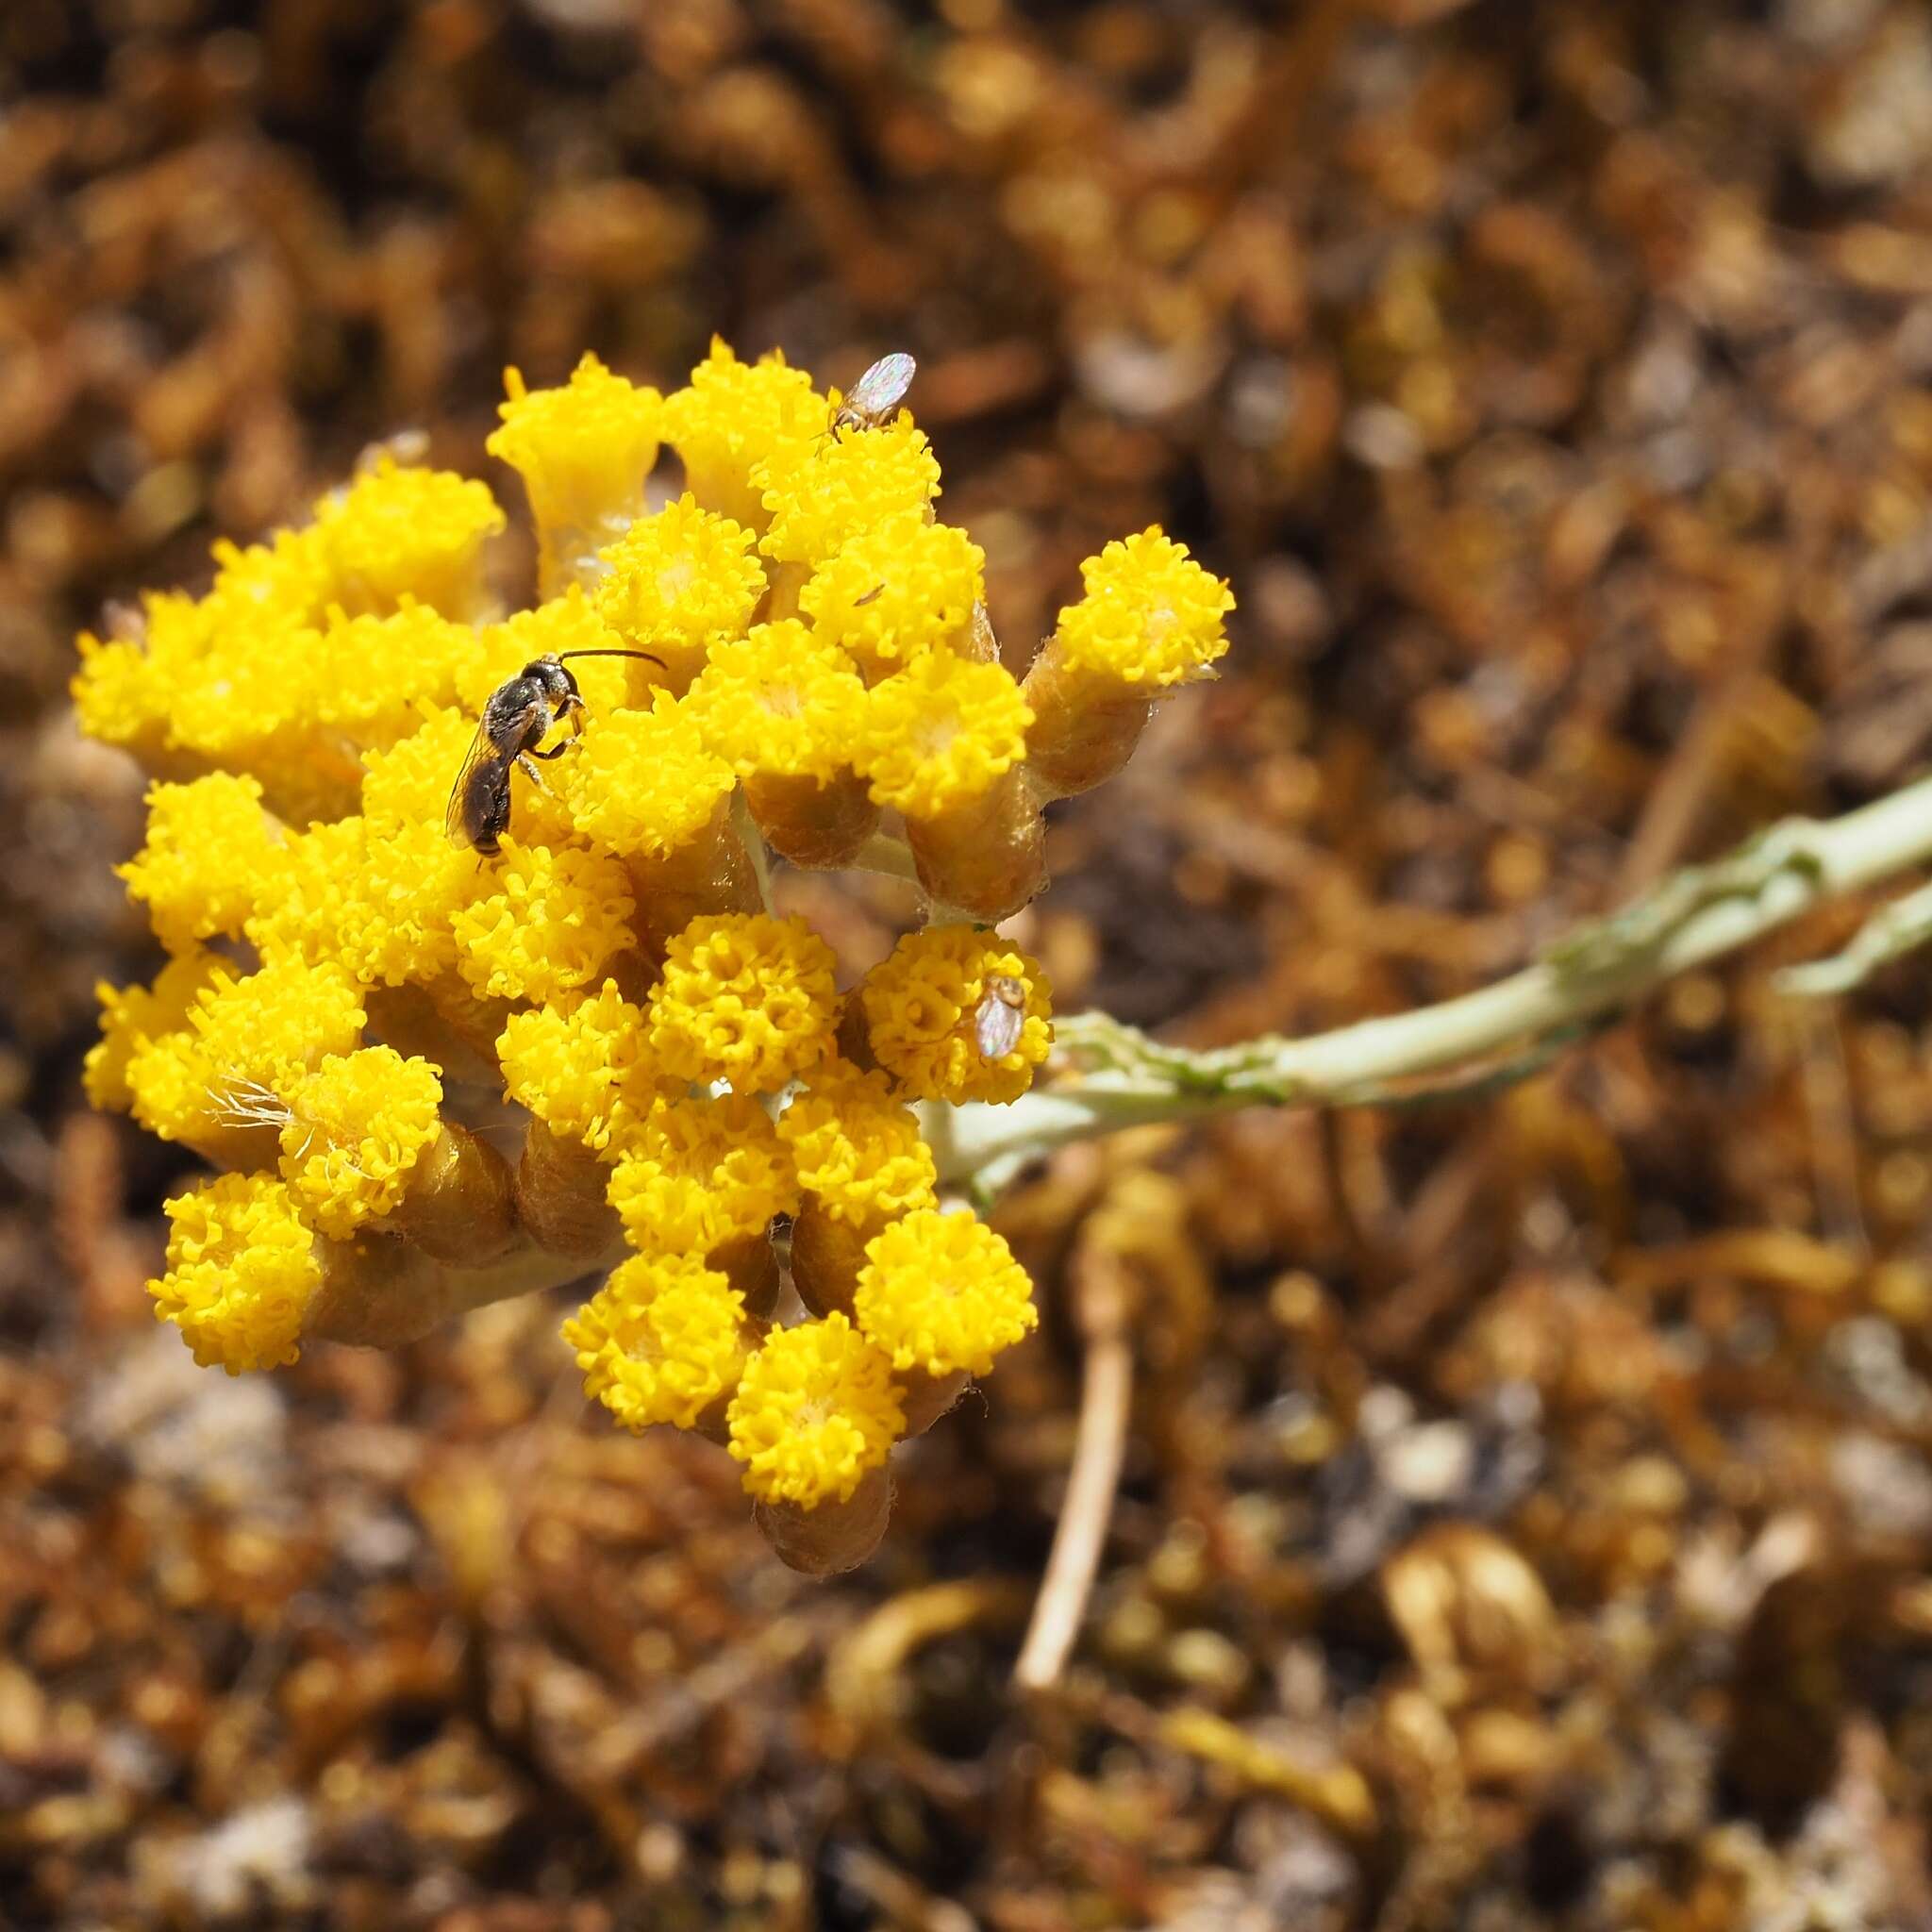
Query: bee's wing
[485,774]
[882,384]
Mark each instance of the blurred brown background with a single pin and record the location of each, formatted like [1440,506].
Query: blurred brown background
[1551,381]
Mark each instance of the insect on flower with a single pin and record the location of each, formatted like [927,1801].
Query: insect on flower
[875,394]
[1000,1016]
[516,719]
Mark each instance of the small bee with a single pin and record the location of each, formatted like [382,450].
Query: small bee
[516,719]
[1000,1016]
[875,394]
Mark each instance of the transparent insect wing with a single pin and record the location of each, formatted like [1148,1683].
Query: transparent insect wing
[880,388]
[996,1027]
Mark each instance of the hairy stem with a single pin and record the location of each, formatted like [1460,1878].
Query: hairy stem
[1460,1045]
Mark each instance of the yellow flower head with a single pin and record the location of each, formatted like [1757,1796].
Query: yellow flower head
[701,1172]
[241,1271]
[121,695]
[579,1064]
[553,917]
[247,1040]
[643,783]
[781,702]
[923,1008]
[583,450]
[1151,616]
[729,420]
[302,898]
[356,1129]
[823,494]
[236,698]
[209,850]
[134,1017]
[400,532]
[410,782]
[939,735]
[901,587]
[370,678]
[815,1412]
[401,891]
[291,579]
[857,1149]
[746,998]
[943,1292]
[660,1342]
[680,580]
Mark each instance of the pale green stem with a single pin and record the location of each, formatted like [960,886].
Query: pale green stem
[887,853]
[1603,968]
[1890,934]
[754,844]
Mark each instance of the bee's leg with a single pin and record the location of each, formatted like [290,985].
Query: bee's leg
[556,750]
[530,770]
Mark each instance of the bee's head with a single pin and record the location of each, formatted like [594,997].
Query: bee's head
[553,679]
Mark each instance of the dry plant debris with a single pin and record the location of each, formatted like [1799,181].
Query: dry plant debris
[1525,1504]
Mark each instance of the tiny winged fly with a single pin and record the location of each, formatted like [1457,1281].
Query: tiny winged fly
[875,394]
[1000,1016]
[515,722]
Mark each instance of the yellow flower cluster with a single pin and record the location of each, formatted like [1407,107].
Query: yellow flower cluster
[583,964]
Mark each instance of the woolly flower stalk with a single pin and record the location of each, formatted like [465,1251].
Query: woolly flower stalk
[445,1044]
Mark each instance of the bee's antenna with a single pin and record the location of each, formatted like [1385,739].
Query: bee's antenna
[564,657]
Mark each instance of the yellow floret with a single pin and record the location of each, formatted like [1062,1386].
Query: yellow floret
[660,1342]
[579,1064]
[679,581]
[921,1011]
[731,418]
[243,1270]
[701,1172]
[857,1149]
[247,1039]
[643,783]
[121,694]
[289,580]
[904,587]
[584,449]
[779,702]
[943,1292]
[238,690]
[815,1411]
[553,916]
[371,678]
[400,532]
[203,868]
[395,919]
[824,495]
[1151,616]
[303,904]
[746,998]
[356,1129]
[939,735]
[134,1017]
[410,782]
